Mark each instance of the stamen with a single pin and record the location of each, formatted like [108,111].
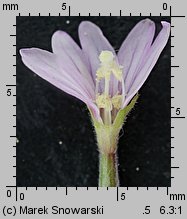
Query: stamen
[117,71]
[108,66]
[116,101]
[97,87]
[104,101]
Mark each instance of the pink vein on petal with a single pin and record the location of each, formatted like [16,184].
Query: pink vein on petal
[71,55]
[151,59]
[93,42]
[45,64]
[134,48]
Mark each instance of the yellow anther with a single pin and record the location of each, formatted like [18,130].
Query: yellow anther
[117,71]
[116,101]
[108,66]
[104,101]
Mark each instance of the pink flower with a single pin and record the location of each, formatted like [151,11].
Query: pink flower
[105,81]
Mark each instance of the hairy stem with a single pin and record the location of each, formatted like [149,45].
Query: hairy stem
[108,170]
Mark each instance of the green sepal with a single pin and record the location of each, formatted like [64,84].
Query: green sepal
[107,139]
[107,135]
[122,114]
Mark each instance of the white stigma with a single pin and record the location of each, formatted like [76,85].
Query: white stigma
[106,57]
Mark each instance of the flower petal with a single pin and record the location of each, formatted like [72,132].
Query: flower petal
[93,42]
[95,112]
[71,54]
[46,65]
[151,59]
[134,49]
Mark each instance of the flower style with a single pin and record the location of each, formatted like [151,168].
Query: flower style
[105,81]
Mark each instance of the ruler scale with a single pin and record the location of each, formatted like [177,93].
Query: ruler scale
[136,202]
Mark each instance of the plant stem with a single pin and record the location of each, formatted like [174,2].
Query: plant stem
[108,170]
